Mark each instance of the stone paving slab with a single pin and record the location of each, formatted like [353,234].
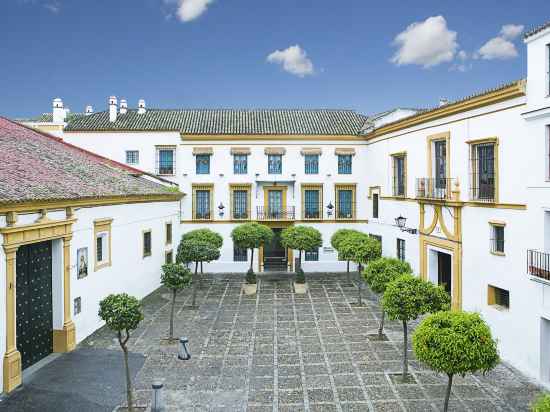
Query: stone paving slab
[277,351]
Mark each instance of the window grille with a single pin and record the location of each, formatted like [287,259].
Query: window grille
[240,204]
[497,239]
[312,255]
[399,176]
[275,164]
[146,244]
[344,164]
[166,161]
[202,204]
[311,163]
[239,255]
[482,165]
[375,201]
[99,248]
[401,249]
[345,206]
[202,164]
[132,157]
[240,164]
[312,207]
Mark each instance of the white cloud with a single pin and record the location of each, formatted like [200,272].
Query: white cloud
[497,48]
[294,60]
[54,7]
[511,31]
[462,55]
[191,9]
[427,43]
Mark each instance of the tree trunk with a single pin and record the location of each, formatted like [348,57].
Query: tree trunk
[381,325]
[299,260]
[129,398]
[195,284]
[448,393]
[252,259]
[405,363]
[347,273]
[172,314]
[202,278]
[360,287]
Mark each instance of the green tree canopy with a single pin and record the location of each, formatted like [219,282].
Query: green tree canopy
[340,234]
[541,404]
[383,270]
[455,343]
[204,235]
[301,238]
[196,251]
[175,276]
[120,312]
[251,235]
[359,248]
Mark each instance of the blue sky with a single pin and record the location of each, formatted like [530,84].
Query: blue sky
[242,53]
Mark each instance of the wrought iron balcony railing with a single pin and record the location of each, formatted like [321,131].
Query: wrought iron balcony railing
[435,188]
[263,213]
[538,264]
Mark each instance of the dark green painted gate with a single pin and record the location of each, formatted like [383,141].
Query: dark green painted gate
[34,302]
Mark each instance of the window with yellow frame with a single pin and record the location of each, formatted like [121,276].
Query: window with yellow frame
[345,201]
[203,197]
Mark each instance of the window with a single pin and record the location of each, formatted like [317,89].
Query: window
[401,249]
[344,164]
[132,157]
[497,238]
[239,255]
[168,233]
[311,162]
[240,164]
[202,164]
[399,175]
[483,171]
[169,257]
[275,164]
[312,256]
[500,298]
[440,163]
[312,201]
[548,70]
[240,201]
[345,202]
[166,161]
[547,152]
[375,205]
[102,243]
[147,243]
[202,201]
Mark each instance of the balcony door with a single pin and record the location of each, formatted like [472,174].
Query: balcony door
[275,203]
[440,166]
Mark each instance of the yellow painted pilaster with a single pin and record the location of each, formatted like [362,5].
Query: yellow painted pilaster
[12,357]
[65,340]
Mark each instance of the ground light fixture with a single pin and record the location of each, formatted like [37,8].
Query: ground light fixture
[401,222]
[183,352]
[157,404]
[221,207]
[329,209]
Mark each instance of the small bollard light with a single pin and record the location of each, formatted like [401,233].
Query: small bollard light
[183,352]
[157,405]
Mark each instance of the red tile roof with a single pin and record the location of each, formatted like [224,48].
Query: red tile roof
[35,166]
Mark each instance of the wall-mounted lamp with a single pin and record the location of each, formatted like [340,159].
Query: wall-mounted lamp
[330,207]
[401,222]
[220,208]
[221,174]
[183,352]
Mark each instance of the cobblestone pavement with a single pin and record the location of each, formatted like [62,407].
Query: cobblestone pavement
[278,351]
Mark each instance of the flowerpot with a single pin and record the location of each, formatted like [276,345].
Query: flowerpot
[250,288]
[300,288]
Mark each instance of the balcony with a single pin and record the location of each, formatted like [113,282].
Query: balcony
[538,264]
[275,214]
[435,188]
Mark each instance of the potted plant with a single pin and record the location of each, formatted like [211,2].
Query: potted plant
[251,236]
[301,238]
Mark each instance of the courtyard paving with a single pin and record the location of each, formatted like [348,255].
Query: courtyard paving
[278,351]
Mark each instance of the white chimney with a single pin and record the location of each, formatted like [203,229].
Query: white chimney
[141,106]
[443,102]
[123,106]
[58,112]
[89,110]
[112,108]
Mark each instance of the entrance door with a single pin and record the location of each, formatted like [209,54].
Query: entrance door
[444,271]
[34,319]
[275,255]
[544,355]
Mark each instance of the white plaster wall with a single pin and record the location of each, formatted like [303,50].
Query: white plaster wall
[537,70]
[129,272]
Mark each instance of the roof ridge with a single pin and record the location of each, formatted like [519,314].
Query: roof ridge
[536,29]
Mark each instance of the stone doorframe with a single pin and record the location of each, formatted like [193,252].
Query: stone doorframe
[42,230]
